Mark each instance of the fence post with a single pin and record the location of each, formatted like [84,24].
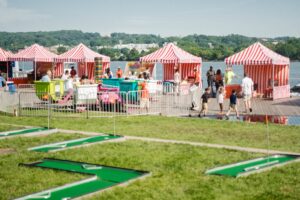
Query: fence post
[126,101]
[20,104]
[49,101]
[87,106]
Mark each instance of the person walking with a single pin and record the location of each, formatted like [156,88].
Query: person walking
[205,97]
[233,104]
[195,90]
[220,99]
[247,90]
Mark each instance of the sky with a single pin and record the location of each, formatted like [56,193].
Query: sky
[256,18]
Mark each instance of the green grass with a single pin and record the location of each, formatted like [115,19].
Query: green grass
[177,171]
[197,130]
[5,127]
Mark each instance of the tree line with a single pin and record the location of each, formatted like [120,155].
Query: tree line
[207,47]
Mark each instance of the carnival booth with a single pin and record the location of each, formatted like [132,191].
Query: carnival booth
[42,59]
[268,70]
[85,58]
[173,57]
[4,63]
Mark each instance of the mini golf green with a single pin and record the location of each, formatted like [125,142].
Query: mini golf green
[74,143]
[26,131]
[252,166]
[103,178]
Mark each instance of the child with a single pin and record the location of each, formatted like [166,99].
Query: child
[233,104]
[220,98]
[205,98]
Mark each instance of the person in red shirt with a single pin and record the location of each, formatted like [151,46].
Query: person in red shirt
[119,73]
[73,72]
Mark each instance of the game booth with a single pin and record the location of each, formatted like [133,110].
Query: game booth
[5,66]
[172,57]
[89,63]
[268,70]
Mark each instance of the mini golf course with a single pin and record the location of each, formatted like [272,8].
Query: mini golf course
[38,130]
[75,143]
[253,166]
[103,177]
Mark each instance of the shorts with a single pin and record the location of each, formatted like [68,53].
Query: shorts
[145,103]
[232,106]
[247,97]
[204,106]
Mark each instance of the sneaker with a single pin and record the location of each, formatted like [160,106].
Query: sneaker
[226,117]
[199,115]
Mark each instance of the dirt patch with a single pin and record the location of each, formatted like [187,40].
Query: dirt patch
[6,151]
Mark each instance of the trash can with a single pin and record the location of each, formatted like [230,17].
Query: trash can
[11,86]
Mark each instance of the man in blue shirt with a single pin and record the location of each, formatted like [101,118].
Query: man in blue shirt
[2,81]
[47,77]
[233,104]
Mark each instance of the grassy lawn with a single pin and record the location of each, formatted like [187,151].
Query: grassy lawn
[177,171]
[5,127]
[198,130]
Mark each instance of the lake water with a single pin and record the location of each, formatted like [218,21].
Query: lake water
[294,71]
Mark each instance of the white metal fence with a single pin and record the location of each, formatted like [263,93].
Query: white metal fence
[27,102]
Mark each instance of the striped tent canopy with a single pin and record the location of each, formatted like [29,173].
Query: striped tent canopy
[81,53]
[4,55]
[257,54]
[171,54]
[35,53]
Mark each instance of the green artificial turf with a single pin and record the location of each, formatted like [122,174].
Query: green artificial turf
[74,143]
[104,177]
[240,168]
[197,130]
[178,171]
[5,127]
[24,131]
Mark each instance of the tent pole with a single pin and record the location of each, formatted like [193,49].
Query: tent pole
[34,70]
[86,68]
[273,81]
[7,70]
[180,71]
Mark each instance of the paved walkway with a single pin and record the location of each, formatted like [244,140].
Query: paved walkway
[283,107]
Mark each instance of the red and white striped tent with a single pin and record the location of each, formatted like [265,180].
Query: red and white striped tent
[171,56]
[4,57]
[34,53]
[85,59]
[269,70]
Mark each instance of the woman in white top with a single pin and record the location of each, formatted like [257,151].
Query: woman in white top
[176,81]
[220,98]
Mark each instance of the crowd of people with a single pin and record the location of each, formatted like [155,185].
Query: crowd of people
[216,80]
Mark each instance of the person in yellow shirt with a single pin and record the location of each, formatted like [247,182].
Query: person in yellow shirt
[229,75]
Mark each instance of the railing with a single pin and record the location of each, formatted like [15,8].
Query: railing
[102,104]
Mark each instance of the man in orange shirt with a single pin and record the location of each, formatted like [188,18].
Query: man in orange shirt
[195,90]
[197,77]
[145,101]
[119,73]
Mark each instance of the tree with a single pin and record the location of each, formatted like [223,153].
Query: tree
[61,49]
